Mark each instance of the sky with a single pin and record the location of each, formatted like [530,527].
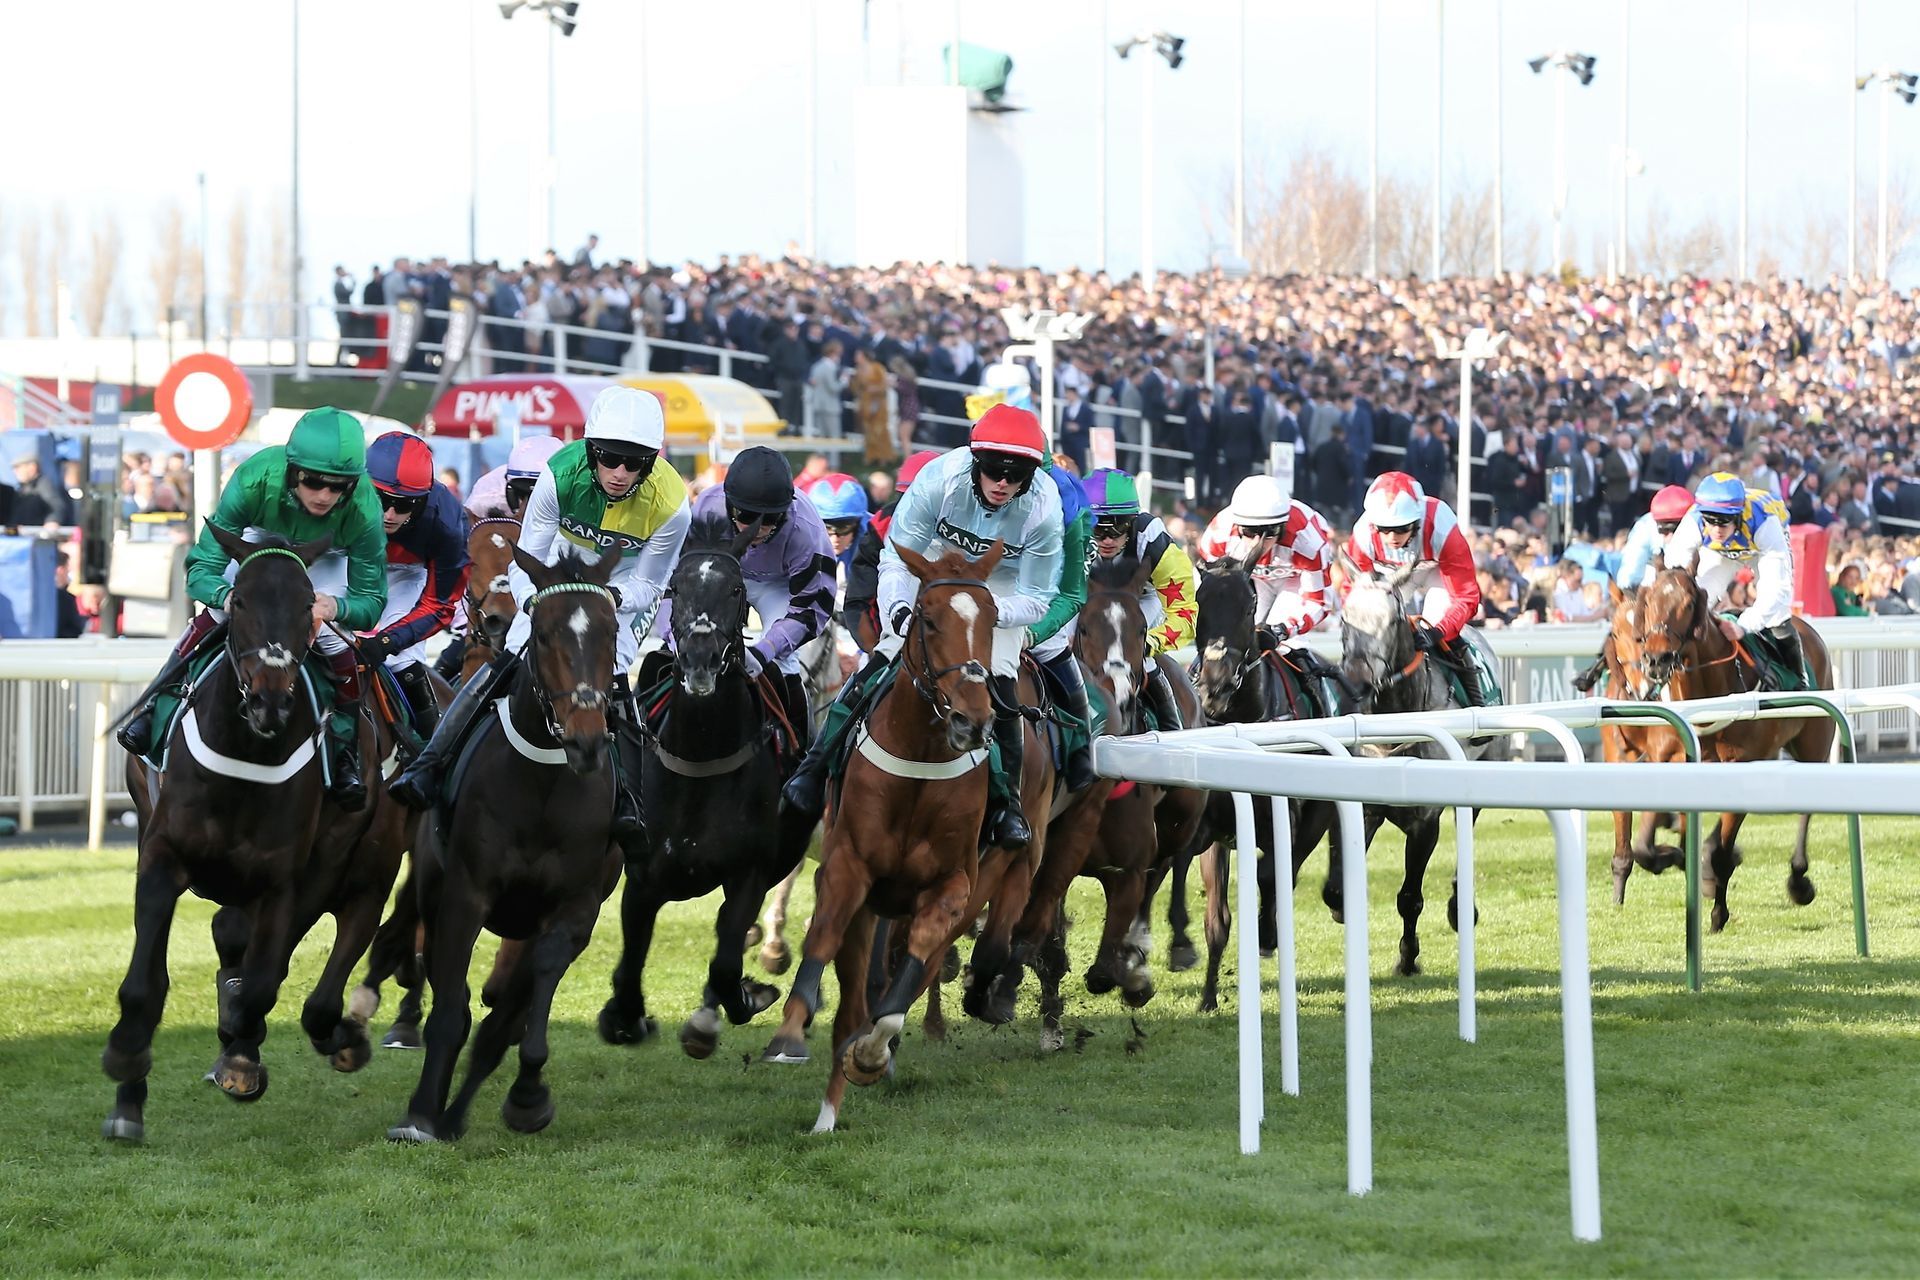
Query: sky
[117,105]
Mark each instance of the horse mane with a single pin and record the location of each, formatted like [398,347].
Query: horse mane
[711,531]
[1115,574]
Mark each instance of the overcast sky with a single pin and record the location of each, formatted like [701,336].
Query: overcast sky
[118,104]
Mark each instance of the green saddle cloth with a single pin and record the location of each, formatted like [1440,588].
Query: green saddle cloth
[170,701]
[1490,695]
[1777,669]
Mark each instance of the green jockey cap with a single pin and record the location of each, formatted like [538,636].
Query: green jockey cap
[328,440]
[1111,493]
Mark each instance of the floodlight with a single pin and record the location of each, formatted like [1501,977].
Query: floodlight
[1539,64]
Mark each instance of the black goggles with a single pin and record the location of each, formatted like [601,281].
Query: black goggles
[767,519]
[843,528]
[519,492]
[1388,530]
[1118,527]
[1721,518]
[638,461]
[1268,530]
[318,482]
[1005,469]
[401,502]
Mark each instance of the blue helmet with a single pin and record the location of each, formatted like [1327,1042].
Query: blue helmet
[1723,493]
[839,498]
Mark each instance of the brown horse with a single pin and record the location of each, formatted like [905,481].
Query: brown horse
[527,852]
[240,818]
[903,843]
[1684,654]
[1648,743]
[489,605]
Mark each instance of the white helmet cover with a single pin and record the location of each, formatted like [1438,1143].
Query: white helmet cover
[529,457]
[1259,500]
[627,415]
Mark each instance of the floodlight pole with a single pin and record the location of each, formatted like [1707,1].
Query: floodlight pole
[1240,141]
[1499,140]
[1373,154]
[1559,165]
[1439,116]
[1746,114]
[1100,152]
[1479,345]
[1886,102]
[1146,174]
[1034,334]
[1853,150]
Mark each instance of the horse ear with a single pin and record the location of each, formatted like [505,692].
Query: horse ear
[311,551]
[600,572]
[1613,590]
[922,567]
[1347,566]
[1403,575]
[542,575]
[743,539]
[983,567]
[1246,562]
[235,545]
[1702,618]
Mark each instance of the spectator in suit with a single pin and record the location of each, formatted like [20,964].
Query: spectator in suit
[1856,513]
[1507,479]
[1684,461]
[1358,412]
[1153,401]
[1200,437]
[583,256]
[1586,486]
[826,386]
[906,402]
[1809,505]
[1076,422]
[790,363]
[1333,473]
[1426,457]
[508,302]
[37,499]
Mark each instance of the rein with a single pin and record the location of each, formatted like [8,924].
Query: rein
[926,679]
[473,602]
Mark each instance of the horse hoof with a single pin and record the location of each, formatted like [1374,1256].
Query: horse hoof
[1137,997]
[1339,916]
[776,957]
[414,1130]
[124,1067]
[861,1073]
[759,997]
[791,1050]
[241,1079]
[934,1029]
[1800,890]
[755,935]
[1100,980]
[1182,956]
[1408,967]
[527,1119]
[700,1034]
[119,1128]
[354,1056]
[401,1035]
[1718,920]
[1208,1004]
[617,1028]
[1052,1040]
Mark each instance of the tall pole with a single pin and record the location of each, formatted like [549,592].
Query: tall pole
[204,331]
[1559,163]
[960,188]
[1499,140]
[640,131]
[551,178]
[1439,112]
[1100,152]
[1463,443]
[1146,172]
[813,92]
[1886,101]
[297,294]
[1853,149]
[1373,153]
[1240,141]
[473,144]
[1626,12]
[1746,114]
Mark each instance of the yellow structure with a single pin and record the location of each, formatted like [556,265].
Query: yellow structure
[724,415]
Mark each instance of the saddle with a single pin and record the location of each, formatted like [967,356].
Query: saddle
[393,709]
[654,688]
[1777,664]
[1462,659]
[1303,685]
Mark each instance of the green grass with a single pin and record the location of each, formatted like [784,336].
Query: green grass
[1764,1126]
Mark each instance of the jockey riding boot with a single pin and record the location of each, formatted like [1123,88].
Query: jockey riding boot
[1160,699]
[799,709]
[1064,668]
[1593,675]
[1459,656]
[806,791]
[1786,638]
[418,785]
[419,690]
[629,828]
[451,659]
[134,733]
[349,788]
[1010,830]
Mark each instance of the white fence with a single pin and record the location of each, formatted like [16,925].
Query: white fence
[1231,758]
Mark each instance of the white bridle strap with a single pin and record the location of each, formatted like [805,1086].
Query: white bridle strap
[924,770]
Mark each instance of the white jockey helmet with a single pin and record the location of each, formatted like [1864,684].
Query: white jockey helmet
[1258,501]
[529,457]
[1395,501]
[628,416]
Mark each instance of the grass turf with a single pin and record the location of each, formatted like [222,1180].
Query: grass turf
[1762,1127]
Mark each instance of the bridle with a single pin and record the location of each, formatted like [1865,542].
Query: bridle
[273,653]
[926,678]
[581,698]
[474,602]
[733,652]
[1137,671]
[1690,635]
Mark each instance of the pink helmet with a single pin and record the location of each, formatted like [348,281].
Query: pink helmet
[1671,504]
[1395,501]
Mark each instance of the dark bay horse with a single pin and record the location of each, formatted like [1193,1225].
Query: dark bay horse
[712,775]
[526,852]
[1140,829]
[1240,682]
[235,819]
[1683,652]
[903,842]
[1380,658]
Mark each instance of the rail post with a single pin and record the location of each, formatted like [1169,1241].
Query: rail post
[1844,728]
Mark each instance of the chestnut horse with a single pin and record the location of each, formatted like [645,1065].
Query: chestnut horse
[904,840]
[1683,653]
[490,607]
[1649,743]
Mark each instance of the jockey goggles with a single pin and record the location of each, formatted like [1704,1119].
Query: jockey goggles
[638,461]
[401,502]
[767,519]
[319,482]
[1004,468]
[842,528]
[1117,527]
[520,492]
[1720,519]
[1267,530]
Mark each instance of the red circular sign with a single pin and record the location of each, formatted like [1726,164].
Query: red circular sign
[204,402]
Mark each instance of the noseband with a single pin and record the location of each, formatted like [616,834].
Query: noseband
[580,699]
[475,602]
[733,653]
[926,680]
[271,654]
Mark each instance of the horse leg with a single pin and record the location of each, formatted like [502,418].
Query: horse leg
[727,989]
[850,963]
[342,1039]
[1103,975]
[839,894]
[455,927]
[1181,955]
[993,977]
[505,1022]
[1422,835]
[775,956]
[1124,897]
[528,1107]
[230,930]
[936,922]
[1799,887]
[623,1019]
[1219,921]
[505,958]
[239,1072]
[143,996]
[394,945]
[1622,854]
[1050,967]
[1726,856]
[1655,858]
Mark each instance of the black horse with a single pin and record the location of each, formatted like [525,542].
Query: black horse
[235,818]
[526,852]
[712,774]
[1241,681]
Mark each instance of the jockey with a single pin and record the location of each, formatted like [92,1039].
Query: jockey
[1400,525]
[1051,638]
[1291,550]
[1732,526]
[606,494]
[1649,536]
[427,562]
[788,567]
[307,489]
[503,491]
[858,614]
[1120,528]
[841,504]
[968,498]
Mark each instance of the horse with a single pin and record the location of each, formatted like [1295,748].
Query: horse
[1651,743]
[1684,653]
[237,819]
[904,840]
[1140,828]
[714,770]
[489,604]
[1379,657]
[1245,679]
[524,849]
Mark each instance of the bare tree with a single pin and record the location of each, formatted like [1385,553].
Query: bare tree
[33,275]
[271,291]
[1466,232]
[1405,227]
[59,254]
[1311,218]
[237,246]
[1700,250]
[103,265]
[172,263]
